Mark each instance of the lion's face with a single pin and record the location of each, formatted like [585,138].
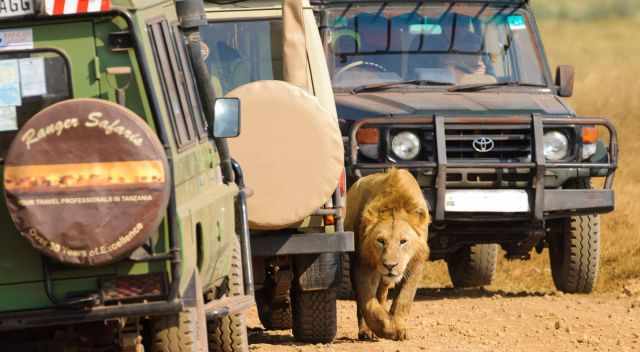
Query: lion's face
[391,242]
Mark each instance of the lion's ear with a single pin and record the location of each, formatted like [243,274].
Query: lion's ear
[369,216]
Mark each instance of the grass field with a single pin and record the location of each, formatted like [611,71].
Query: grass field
[606,56]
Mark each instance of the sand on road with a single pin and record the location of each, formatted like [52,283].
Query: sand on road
[478,320]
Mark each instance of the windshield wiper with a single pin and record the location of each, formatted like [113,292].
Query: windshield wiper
[386,85]
[481,86]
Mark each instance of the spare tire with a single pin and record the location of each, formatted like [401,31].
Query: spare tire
[291,151]
[86,181]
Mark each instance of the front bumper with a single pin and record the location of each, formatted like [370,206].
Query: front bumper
[557,203]
[277,243]
[545,203]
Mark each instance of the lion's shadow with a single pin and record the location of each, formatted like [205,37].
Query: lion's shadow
[435,294]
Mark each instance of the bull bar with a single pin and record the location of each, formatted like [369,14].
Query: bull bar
[543,200]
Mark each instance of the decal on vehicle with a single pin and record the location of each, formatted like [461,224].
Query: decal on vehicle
[517,22]
[8,118]
[16,39]
[10,83]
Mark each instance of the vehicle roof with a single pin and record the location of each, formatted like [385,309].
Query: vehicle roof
[214,6]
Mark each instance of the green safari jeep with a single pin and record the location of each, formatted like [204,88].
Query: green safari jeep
[125,224]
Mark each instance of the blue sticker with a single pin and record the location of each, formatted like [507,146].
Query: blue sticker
[426,28]
[10,83]
[516,22]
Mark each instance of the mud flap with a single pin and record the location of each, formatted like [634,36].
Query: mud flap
[315,272]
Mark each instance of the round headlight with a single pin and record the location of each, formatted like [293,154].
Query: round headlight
[556,145]
[406,145]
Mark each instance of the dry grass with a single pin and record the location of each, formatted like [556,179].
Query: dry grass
[586,9]
[606,55]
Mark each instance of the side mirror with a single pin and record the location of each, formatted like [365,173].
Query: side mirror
[226,122]
[565,77]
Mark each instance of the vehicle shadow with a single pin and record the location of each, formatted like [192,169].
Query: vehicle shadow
[258,335]
[435,294]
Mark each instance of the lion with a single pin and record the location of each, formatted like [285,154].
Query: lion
[389,216]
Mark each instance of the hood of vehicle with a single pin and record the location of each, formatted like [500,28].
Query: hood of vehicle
[358,106]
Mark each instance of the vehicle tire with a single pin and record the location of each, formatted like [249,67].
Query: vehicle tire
[473,266]
[314,315]
[574,252]
[345,289]
[278,318]
[177,333]
[229,334]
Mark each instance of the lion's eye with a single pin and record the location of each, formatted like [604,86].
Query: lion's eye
[403,242]
[381,241]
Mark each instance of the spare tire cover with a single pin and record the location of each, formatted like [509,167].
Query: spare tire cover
[86,181]
[291,151]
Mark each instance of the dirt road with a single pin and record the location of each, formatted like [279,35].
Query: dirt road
[448,320]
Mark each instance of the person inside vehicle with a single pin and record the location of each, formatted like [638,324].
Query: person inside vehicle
[228,69]
[468,64]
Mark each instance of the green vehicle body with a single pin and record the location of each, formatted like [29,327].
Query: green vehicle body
[204,200]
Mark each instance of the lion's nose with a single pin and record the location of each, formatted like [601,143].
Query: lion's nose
[390,266]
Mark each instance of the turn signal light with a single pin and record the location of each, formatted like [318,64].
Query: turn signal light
[589,135]
[329,220]
[368,136]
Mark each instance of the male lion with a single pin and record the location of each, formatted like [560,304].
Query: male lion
[389,217]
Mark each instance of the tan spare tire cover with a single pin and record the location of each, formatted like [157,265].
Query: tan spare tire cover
[86,181]
[291,151]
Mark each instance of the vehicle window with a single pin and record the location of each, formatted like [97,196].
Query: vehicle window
[243,52]
[29,82]
[447,43]
[174,83]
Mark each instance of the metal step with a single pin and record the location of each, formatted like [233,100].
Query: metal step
[228,306]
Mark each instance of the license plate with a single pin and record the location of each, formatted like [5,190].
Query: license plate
[15,8]
[487,201]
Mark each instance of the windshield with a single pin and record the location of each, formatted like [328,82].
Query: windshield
[454,44]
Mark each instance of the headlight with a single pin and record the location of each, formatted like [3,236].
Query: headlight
[556,146]
[589,150]
[406,145]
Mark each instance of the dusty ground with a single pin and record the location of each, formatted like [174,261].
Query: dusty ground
[448,320]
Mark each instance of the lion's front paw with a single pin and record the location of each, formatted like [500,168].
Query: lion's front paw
[401,332]
[366,335]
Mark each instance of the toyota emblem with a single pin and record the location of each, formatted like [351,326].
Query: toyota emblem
[483,144]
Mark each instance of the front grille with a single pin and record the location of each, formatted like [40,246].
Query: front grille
[512,144]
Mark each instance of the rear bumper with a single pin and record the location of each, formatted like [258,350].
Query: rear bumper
[51,317]
[276,244]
